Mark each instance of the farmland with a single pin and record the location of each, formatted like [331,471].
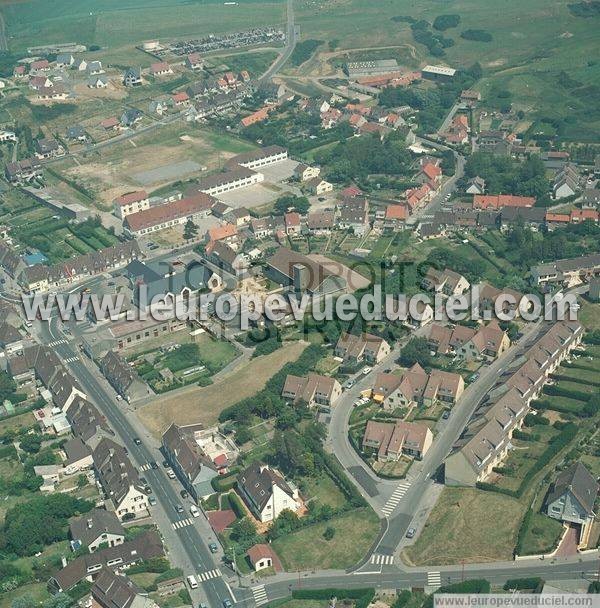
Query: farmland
[106,23]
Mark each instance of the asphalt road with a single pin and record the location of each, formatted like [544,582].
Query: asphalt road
[200,559]
[290,44]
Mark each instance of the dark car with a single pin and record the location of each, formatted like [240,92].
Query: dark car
[227,604]
[179,508]
[410,533]
[183,494]
[137,441]
[154,465]
[166,464]
[213,547]
[446,414]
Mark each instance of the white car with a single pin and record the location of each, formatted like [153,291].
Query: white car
[195,511]
[171,474]
[192,582]
[367,370]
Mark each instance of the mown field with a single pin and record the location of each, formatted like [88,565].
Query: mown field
[112,23]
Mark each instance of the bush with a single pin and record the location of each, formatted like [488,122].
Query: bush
[329,533]
[236,505]
[478,35]
[445,22]
[223,483]
[532,582]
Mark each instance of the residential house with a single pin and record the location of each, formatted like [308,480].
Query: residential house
[132,77]
[41,65]
[567,272]
[318,186]
[228,259]
[123,377]
[302,274]
[262,556]
[96,529]
[80,64]
[111,590]
[259,116]
[475,185]
[488,342]
[566,182]
[304,172]
[312,390]
[48,148]
[119,480]
[192,466]
[76,133]
[180,99]
[130,117]
[161,68]
[320,223]
[572,496]
[445,281]
[354,215]
[499,201]
[364,347]
[266,492]
[11,341]
[77,456]
[390,440]
[264,227]
[144,547]
[292,223]
[97,82]
[193,61]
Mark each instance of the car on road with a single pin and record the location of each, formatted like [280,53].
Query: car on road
[410,533]
[192,582]
[179,508]
[366,370]
[166,464]
[473,377]
[213,547]
[227,604]
[195,511]
[349,383]
[446,414]
[183,494]
[171,474]
[154,464]
[151,501]
[137,441]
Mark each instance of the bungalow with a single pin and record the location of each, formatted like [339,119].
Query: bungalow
[160,68]
[40,82]
[292,223]
[256,117]
[94,68]
[395,217]
[266,492]
[314,389]
[390,440]
[364,347]
[42,65]
[76,133]
[262,556]
[181,99]
[80,64]
[55,92]
[19,71]
[64,60]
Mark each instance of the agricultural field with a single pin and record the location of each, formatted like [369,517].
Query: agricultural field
[104,23]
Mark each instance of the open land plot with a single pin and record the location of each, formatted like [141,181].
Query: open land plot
[589,315]
[459,528]
[261,195]
[256,62]
[203,404]
[353,278]
[113,169]
[105,23]
[307,548]
[323,491]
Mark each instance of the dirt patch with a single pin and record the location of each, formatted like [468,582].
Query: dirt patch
[197,404]
[110,92]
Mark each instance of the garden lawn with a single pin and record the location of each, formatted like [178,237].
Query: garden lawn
[542,535]
[323,491]
[307,549]
[460,527]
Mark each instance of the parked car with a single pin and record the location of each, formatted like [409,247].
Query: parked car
[171,474]
[473,377]
[192,582]
[349,383]
[410,533]
[213,547]
[151,501]
[137,441]
[366,370]
[227,604]
[183,494]
[195,511]
[179,508]
[446,414]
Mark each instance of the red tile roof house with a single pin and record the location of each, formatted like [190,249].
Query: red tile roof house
[393,439]
[262,556]
[110,124]
[365,347]
[181,99]
[129,203]
[43,65]
[497,201]
[487,341]
[20,71]
[314,389]
[395,217]
[431,175]
[160,69]
[292,223]
[193,61]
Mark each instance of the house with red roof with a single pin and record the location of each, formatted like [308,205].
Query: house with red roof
[431,175]
[292,223]
[498,201]
[131,202]
[181,99]
[160,69]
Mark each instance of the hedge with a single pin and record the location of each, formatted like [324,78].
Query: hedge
[568,378]
[477,585]
[362,597]
[559,391]
[533,582]
[223,483]
[236,505]
[520,546]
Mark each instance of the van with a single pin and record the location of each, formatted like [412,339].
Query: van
[192,582]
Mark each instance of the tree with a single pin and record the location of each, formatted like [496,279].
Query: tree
[190,230]
[445,22]
[31,443]
[82,481]
[23,601]
[243,533]
[290,201]
[416,351]
[329,533]
[61,600]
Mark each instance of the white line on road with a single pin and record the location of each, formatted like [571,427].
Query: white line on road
[182,523]
[57,343]
[384,560]
[206,576]
[434,579]
[260,595]
[395,498]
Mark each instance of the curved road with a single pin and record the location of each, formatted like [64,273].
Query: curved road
[290,44]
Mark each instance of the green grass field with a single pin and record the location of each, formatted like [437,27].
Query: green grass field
[110,23]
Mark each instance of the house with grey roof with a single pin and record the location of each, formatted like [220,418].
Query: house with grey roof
[78,456]
[123,377]
[96,529]
[132,77]
[11,341]
[111,590]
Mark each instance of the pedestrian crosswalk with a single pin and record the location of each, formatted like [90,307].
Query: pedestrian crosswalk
[145,467]
[71,359]
[260,595]
[383,560]
[182,523]
[395,498]
[434,579]
[206,576]
[57,343]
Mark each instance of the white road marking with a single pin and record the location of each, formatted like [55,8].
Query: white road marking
[434,579]
[260,595]
[206,576]
[182,523]
[395,498]
[383,560]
